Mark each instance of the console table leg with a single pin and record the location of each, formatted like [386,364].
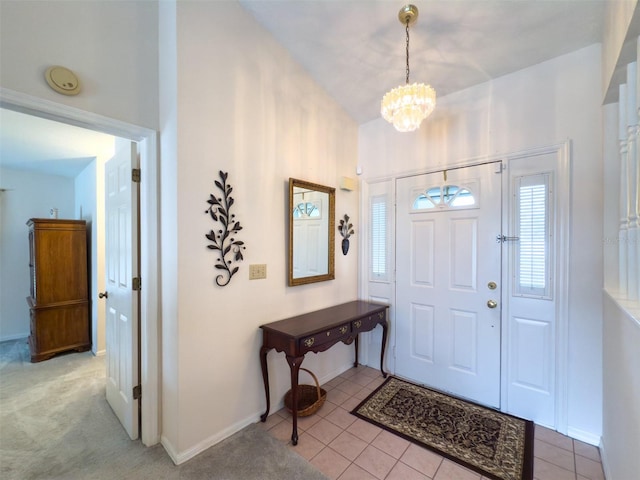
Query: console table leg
[265,379]
[384,343]
[294,365]
[355,364]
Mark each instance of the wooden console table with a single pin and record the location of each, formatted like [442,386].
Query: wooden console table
[316,332]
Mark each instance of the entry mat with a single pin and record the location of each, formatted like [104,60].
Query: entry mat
[497,445]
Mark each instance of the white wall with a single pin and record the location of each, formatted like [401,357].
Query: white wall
[28,195]
[621,350]
[111,46]
[539,106]
[245,107]
[621,422]
[86,208]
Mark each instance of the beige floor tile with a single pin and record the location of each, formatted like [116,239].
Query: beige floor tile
[341,417]
[348,445]
[589,468]
[372,372]
[362,379]
[375,461]
[349,373]
[401,471]
[586,450]
[282,431]
[325,431]
[391,444]
[554,438]
[334,382]
[330,463]
[543,470]
[349,387]
[272,421]
[354,472]
[326,409]
[552,454]
[364,430]
[308,446]
[452,471]
[421,459]
[337,396]
[363,393]
[304,423]
[350,403]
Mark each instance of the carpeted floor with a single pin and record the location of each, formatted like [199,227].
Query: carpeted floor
[494,444]
[56,424]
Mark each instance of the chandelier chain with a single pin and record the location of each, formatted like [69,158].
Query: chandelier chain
[407,30]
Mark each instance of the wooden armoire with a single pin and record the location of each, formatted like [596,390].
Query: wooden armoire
[59,301]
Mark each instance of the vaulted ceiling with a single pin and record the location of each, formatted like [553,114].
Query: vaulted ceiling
[355,49]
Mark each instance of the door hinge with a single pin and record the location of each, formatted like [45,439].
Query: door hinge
[137,392]
[136,283]
[135,175]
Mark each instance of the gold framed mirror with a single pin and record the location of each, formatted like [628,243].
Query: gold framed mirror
[311,232]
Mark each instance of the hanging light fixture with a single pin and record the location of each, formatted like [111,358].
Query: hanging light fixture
[407,105]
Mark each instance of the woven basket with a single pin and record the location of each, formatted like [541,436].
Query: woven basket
[310,397]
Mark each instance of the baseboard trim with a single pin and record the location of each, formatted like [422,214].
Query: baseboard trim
[10,338]
[605,461]
[584,436]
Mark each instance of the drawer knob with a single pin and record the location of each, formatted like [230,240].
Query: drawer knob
[343,330]
[358,323]
[309,341]
[380,315]
[328,334]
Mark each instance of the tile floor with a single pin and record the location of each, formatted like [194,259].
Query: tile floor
[345,447]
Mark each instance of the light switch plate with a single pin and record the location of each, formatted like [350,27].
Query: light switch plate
[257,271]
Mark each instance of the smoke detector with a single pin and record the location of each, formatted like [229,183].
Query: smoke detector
[62,80]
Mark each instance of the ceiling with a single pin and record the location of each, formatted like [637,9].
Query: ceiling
[355,49]
[39,145]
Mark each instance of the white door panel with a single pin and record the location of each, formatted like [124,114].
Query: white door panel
[446,335]
[122,301]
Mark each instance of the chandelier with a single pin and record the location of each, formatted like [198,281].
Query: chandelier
[407,105]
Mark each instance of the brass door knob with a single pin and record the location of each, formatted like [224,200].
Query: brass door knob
[103,295]
[492,304]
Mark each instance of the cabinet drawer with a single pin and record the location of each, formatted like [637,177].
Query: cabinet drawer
[313,341]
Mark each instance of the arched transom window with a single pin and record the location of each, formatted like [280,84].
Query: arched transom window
[444,197]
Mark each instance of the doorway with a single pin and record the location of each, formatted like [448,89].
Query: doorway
[149,227]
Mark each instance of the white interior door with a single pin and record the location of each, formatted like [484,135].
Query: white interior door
[121,256]
[448,281]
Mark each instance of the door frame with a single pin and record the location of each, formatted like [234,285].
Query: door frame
[149,227]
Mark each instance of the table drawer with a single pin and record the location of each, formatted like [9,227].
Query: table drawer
[313,341]
[365,324]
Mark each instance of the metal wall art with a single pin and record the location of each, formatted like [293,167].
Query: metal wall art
[223,239]
[346,230]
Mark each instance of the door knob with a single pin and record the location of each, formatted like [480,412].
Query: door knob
[492,304]
[103,295]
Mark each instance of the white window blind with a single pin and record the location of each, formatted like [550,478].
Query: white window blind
[532,252]
[378,246]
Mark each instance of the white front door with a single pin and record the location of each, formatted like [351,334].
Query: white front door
[121,257]
[448,281]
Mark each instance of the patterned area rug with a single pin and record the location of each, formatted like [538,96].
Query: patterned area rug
[497,445]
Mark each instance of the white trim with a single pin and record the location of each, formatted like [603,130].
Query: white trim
[148,140]
[586,437]
[562,257]
[605,461]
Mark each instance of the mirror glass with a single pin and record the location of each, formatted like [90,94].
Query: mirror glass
[311,232]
